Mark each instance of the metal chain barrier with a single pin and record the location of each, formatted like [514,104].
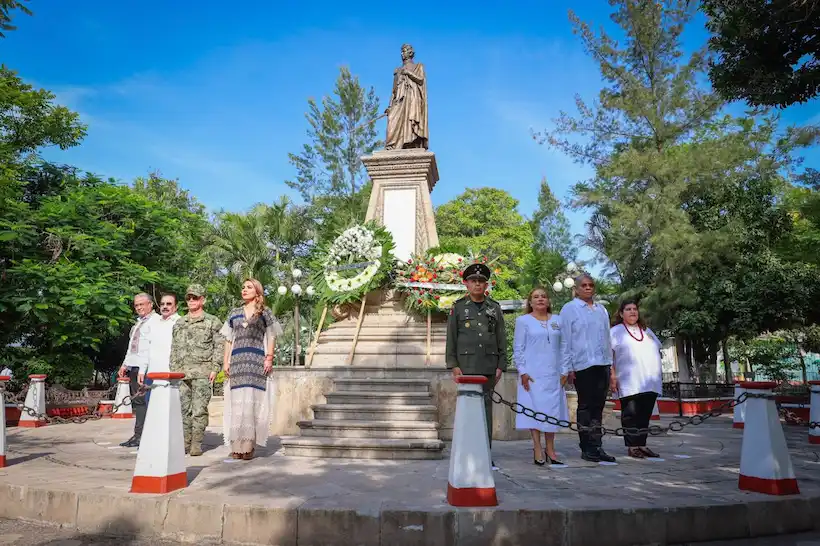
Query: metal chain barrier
[795,419]
[19,399]
[654,430]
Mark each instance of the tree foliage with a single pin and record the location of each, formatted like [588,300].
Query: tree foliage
[767,51]
[552,240]
[7,8]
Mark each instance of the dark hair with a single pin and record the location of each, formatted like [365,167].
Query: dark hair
[171,294]
[528,306]
[619,317]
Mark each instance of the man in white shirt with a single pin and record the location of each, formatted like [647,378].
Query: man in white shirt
[136,356]
[586,357]
[162,330]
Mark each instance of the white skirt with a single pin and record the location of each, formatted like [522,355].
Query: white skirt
[546,395]
[246,414]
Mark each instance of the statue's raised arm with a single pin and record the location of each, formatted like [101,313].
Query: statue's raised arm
[407,113]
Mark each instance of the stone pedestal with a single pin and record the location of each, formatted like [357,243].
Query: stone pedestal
[400,200]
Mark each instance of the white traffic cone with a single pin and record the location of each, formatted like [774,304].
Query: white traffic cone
[656,412]
[471,480]
[739,412]
[814,412]
[765,464]
[161,458]
[123,391]
[3,380]
[36,400]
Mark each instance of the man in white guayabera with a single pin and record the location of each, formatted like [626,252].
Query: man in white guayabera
[139,346]
[586,357]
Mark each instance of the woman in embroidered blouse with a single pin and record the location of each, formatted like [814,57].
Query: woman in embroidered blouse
[637,374]
[537,355]
[250,334]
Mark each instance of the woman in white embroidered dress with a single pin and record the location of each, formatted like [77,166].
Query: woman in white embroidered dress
[250,333]
[637,374]
[537,356]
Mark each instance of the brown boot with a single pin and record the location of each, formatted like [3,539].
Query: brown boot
[196,445]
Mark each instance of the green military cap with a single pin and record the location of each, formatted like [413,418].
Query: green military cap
[196,290]
[476,271]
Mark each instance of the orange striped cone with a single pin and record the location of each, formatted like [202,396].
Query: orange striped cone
[656,413]
[765,464]
[160,464]
[123,391]
[470,481]
[36,400]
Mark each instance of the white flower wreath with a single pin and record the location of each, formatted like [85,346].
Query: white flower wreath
[355,245]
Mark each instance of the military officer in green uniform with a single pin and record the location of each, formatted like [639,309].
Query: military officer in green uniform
[197,350]
[476,337]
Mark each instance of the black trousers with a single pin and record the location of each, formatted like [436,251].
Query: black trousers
[488,406]
[636,411]
[592,386]
[138,406]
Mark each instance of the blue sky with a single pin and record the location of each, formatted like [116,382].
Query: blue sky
[214,94]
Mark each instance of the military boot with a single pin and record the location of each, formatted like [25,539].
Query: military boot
[196,445]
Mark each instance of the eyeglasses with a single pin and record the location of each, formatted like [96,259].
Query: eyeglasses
[166,304]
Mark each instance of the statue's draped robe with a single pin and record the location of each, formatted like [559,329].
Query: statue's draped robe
[407,120]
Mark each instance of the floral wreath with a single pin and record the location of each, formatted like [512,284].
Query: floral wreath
[356,262]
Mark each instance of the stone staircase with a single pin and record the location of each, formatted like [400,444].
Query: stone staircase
[371,419]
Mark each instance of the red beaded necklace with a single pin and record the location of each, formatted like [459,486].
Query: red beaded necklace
[630,333]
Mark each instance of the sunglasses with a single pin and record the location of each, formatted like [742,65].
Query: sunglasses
[190,297]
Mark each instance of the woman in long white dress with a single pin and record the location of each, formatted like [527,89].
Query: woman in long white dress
[250,340]
[537,356]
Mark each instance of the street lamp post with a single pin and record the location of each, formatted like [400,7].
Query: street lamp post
[297,292]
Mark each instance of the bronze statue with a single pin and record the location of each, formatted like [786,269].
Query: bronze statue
[407,113]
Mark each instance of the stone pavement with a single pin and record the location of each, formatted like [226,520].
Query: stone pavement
[76,475]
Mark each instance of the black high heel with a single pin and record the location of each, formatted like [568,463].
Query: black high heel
[539,463]
[553,461]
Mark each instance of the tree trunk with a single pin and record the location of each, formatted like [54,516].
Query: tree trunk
[727,364]
[801,354]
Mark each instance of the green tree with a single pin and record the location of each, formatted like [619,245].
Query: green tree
[330,176]
[6,9]
[684,199]
[553,246]
[487,221]
[767,51]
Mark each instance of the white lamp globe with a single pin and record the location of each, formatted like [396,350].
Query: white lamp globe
[557,286]
[282,290]
[310,290]
[296,289]
[569,283]
[571,266]
[297,273]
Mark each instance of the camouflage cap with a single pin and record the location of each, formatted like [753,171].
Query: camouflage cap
[196,290]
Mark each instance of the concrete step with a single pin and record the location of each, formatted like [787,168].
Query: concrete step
[387,398]
[411,430]
[362,448]
[382,385]
[374,412]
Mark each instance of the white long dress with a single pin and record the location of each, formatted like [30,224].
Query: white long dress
[537,353]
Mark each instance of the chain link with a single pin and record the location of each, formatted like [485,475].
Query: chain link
[653,430]
[96,415]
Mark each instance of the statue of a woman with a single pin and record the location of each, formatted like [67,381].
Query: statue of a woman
[407,113]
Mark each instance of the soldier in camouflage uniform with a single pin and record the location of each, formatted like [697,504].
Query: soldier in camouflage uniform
[476,336]
[197,350]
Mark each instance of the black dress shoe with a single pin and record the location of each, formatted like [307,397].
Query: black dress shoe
[591,456]
[605,457]
[134,441]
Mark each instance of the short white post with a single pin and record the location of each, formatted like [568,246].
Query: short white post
[656,412]
[471,481]
[814,412]
[36,400]
[765,464]
[123,391]
[739,413]
[160,464]
[3,380]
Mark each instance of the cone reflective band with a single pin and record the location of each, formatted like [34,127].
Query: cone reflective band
[123,391]
[3,380]
[765,464]
[656,412]
[35,400]
[814,412]
[470,481]
[160,464]
[739,410]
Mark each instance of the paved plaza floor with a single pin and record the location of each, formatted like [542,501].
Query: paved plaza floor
[76,475]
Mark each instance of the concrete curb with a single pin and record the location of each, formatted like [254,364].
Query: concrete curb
[390,523]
